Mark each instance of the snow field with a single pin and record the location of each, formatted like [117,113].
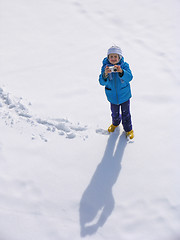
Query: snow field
[61,175]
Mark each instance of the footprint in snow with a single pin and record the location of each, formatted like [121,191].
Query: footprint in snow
[16,114]
[102,131]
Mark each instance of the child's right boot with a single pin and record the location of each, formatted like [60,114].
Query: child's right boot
[112,128]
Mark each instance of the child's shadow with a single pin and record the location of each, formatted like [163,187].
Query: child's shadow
[97,202]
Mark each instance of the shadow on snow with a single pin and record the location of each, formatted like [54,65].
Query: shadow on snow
[97,202]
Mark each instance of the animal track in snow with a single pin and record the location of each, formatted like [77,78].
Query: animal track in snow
[17,114]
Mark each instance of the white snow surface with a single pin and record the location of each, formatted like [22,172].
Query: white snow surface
[62,177]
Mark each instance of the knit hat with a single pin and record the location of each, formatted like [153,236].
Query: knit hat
[115,49]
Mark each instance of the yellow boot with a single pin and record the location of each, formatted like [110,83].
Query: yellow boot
[130,134]
[112,128]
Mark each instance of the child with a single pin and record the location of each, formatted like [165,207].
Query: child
[117,89]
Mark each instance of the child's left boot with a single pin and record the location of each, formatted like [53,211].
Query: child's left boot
[130,134]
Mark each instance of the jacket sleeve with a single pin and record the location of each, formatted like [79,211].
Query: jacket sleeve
[127,76]
[103,81]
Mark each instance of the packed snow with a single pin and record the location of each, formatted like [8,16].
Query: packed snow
[62,176]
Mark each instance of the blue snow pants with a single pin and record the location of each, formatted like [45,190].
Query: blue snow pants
[125,115]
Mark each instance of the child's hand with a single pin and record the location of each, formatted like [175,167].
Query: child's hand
[107,70]
[119,69]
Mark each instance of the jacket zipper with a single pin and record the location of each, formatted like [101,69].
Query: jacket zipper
[116,88]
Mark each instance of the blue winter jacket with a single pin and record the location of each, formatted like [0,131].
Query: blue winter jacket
[117,88]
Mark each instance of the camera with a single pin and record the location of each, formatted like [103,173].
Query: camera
[113,68]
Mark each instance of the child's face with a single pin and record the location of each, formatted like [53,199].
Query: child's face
[113,58]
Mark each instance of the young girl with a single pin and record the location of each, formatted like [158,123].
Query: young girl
[115,76]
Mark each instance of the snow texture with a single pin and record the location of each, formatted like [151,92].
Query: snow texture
[62,176]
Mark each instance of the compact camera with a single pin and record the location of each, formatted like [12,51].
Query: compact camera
[113,68]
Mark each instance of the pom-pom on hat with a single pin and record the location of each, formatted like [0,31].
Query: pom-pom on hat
[115,49]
